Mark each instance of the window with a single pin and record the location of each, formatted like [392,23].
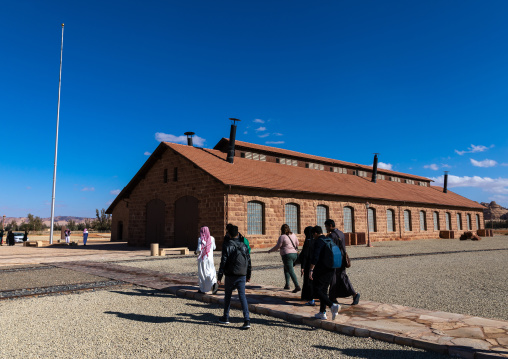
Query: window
[254,156]
[291,212]
[423,184]
[468,219]
[371,212]
[407,220]
[381,177]
[349,220]
[459,222]
[436,221]
[448,219]
[255,218]
[314,166]
[423,221]
[175,174]
[410,181]
[339,170]
[165,177]
[390,220]
[477,221]
[242,154]
[362,173]
[395,179]
[321,216]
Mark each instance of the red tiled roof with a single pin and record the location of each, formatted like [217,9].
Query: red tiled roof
[274,176]
[288,153]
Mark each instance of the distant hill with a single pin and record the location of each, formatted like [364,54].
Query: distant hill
[494,211]
[47,221]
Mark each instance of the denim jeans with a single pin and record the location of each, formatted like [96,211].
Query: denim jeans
[237,282]
[289,273]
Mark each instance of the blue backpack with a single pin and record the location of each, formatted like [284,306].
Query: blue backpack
[332,256]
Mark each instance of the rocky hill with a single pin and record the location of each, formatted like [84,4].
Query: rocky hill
[494,211]
[47,221]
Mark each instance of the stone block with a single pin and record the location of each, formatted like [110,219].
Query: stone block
[386,337]
[403,340]
[430,346]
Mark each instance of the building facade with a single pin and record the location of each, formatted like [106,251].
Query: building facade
[181,188]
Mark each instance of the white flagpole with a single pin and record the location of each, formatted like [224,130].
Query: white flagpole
[56,145]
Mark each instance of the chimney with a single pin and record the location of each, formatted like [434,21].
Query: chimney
[445,188]
[374,168]
[189,138]
[232,138]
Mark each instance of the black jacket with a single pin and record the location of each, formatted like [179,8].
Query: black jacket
[228,265]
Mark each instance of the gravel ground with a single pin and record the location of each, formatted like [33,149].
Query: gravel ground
[43,278]
[141,323]
[474,283]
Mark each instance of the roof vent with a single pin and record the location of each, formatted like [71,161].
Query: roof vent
[445,187]
[374,168]
[189,137]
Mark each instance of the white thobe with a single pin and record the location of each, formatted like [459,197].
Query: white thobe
[206,268]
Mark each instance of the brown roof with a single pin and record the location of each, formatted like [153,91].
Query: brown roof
[282,152]
[273,176]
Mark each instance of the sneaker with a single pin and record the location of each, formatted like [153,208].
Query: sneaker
[356,299]
[335,310]
[246,324]
[223,320]
[215,288]
[286,286]
[311,302]
[297,289]
[320,315]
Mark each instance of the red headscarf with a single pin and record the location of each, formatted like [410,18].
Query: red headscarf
[206,242]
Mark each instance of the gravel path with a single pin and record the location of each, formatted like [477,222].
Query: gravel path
[474,283]
[141,323]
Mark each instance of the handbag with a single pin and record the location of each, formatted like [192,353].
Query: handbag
[298,260]
[348,261]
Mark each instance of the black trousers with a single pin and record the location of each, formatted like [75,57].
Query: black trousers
[321,282]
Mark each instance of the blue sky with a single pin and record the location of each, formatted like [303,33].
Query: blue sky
[422,83]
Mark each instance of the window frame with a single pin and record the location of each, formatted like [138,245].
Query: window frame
[262,219]
[297,207]
[352,219]
[435,216]
[423,226]
[327,215]
[407,221]
[392,224]
[374,222]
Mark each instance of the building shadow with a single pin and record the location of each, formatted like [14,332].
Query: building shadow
[142,318]
[144,293]
[382,354]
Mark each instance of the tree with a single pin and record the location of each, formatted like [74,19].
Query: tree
[103,221]
[34,223]
[13,226]
[71,224]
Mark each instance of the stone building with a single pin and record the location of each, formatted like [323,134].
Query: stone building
[259,188]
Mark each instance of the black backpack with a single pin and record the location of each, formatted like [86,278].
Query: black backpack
[239,257]
[332,257]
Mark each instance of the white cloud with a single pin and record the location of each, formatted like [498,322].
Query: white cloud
[432,166]
[264,135]
[474,149]
[484,163]
[147,153]
[278,134]
[261,129]
[165,137]
[257,120]
[492,185]
[245,132]
[444,165]
[274,142]
[115,192]
[504,164]
[88,189]
[385,166]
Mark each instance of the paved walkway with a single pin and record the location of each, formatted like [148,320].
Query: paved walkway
[447,333]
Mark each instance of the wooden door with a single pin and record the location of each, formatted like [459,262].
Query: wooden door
[186,222]
[155,221]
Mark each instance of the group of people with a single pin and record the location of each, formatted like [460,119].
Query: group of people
[9,239]
[319,280]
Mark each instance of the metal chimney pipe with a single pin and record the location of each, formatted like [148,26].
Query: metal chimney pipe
[374,168]
[189,138]
[445,188]
[232,138]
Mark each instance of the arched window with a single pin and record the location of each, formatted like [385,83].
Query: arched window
[372,219]
[459,222]
[390,220]
[321,215]
[349,219]
[292,216]
[407,220]
[423,221]
[255,217]
[436,221]
[478,221]
[468,218]
[448,219]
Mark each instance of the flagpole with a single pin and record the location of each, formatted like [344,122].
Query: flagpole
[56,144]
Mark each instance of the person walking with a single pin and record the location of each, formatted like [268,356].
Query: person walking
[340,286]
[67,236]
[85,236]
[10,238]
[305,259]
[206,268]
[25,236]
[321,274]
[288,246]
[236,265]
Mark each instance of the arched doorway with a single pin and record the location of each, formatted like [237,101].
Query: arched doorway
[119,231]
[155,221]
[186,222]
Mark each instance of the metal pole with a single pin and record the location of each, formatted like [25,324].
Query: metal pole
[56,144]
[368,225]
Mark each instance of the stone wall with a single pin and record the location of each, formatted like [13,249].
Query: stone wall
[120,214]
